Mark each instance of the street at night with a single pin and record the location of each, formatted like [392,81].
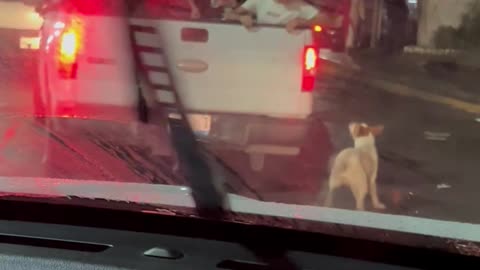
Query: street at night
[308,115]
[427,152]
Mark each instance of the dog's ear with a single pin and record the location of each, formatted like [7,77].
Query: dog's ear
[376,130]
[358,130]
[355,129]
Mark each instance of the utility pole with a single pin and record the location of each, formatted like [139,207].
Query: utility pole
[376,27]
[422,23]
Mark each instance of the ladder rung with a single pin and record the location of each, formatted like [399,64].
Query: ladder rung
[162,87]
[143,28]
[148,49]
[155,68]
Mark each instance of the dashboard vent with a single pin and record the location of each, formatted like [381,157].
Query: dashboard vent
[163,253]
[242,265]
[52,243]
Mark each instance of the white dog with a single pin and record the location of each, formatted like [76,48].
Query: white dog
[357,167]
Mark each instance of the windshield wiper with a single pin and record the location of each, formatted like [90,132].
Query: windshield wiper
[209,199]
[194,163]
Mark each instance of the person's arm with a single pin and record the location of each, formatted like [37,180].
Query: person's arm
[310,16]
[195,11]
[319,18]
[244,13]
[246,9]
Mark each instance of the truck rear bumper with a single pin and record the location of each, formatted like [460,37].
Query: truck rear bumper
[259,134]
[266,140]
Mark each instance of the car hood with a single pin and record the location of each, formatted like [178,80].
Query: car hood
[274,214]
[83,145]
[86,149]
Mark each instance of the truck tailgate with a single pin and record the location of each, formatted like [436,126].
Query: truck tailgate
[223,68]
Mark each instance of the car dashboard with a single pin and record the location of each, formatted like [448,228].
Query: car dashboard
[61,235]
[47,246]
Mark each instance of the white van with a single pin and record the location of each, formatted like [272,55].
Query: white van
[19,25]
[251,90]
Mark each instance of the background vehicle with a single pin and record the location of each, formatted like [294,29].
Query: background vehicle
[19,37]
[79,69]
[18,34]
[330,37]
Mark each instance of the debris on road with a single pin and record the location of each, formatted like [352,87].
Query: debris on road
[436,136]
[396,197]
[443,186]
[441,134]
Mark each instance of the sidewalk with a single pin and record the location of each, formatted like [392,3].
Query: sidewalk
[413,75]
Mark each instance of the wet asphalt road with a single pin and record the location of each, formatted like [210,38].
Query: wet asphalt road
[417,176]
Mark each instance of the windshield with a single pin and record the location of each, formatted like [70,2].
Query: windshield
[361,113]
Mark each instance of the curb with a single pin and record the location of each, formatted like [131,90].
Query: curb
[431,51]
[399,88]
[468,59]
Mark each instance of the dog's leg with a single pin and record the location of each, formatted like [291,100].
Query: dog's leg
[333,183]
[373,191]
[329,199]
[360,191]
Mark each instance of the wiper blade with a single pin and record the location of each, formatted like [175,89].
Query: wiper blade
[208,198]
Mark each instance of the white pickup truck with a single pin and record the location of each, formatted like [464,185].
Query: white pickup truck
[251,90]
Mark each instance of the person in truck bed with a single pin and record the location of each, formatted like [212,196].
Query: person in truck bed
[180,9]
[226,3]
[291,13]
[216,9]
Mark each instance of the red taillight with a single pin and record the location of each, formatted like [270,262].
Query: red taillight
[69,42]
[308,83]
[68,47]
[317,28]
[310,60]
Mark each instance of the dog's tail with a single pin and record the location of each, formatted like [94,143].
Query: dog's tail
[324,186]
